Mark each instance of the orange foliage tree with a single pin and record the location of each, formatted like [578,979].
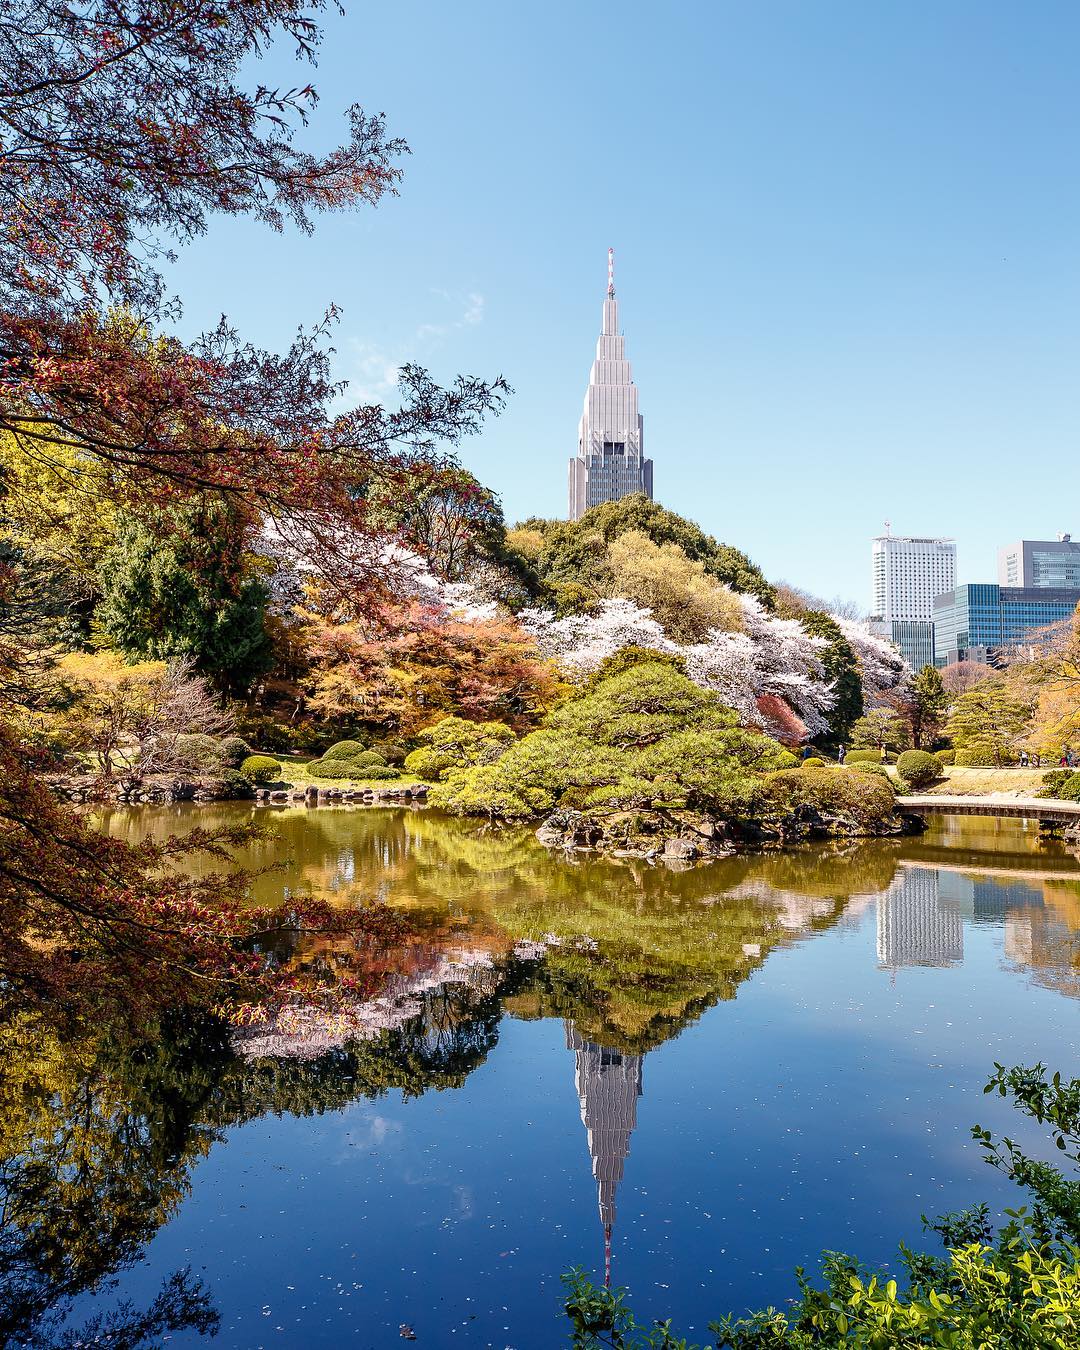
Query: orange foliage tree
[421,663]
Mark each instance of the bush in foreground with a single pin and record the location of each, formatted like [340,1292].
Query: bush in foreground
[833,794]
[918,768]
[261,769]
[1017,1288]
[1064,784]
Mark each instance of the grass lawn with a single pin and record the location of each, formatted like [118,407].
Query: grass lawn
[989,782]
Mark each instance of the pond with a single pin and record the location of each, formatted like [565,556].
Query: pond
[698,1079]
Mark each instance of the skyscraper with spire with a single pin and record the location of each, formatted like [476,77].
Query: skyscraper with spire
[610,462]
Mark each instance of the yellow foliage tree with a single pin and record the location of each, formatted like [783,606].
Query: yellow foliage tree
[684,599]
[55,505]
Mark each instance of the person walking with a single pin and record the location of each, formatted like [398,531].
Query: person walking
[1023,759]
[841,755]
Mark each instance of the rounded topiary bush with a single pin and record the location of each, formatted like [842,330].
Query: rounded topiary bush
[233,750]
[261,769]
[813,762]
[198,751]
[918,768]
[945,757]
[344,750]
[368,758]
[863,757]
[380,771]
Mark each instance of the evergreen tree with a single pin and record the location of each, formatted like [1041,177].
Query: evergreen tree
[182,585]
[842,671]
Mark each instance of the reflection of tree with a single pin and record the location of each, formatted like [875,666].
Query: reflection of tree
[96,1139]
[98,1136]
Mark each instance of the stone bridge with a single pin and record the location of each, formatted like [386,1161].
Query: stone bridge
[1046,809]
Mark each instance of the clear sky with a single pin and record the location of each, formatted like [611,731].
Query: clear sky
[846,245]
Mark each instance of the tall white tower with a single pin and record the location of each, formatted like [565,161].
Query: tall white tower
[610,460]
[908,576]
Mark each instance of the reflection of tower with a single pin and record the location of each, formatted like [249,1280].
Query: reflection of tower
[914,927]
[608,1086]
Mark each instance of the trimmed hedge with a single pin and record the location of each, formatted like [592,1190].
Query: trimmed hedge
[345,750]
[813,762]
[863,757]
[945,757]
[261,769]
[919,768]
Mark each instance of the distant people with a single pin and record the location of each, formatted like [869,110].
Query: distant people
[807,752]
[841,755]
[1023,759]
[1035,760]
[1064,760]
[884,755]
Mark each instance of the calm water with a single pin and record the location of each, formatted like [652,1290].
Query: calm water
[716,1073]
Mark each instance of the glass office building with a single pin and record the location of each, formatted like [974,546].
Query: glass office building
[972,622]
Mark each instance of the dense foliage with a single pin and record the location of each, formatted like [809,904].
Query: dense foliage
[572,558]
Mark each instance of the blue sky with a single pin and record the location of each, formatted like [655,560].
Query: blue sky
[846,245]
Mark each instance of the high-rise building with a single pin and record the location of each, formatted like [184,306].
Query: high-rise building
[973,622]
[1049,563]
[610,462]
[908,575]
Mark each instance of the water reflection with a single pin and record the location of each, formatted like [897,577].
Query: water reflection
[99,1135]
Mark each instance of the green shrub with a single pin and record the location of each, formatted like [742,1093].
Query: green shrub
[1064,784]
[813,762]
[232,784]
[261,769]
[367,757]
[197,751]
[863,757]
[392,751]
[858,797]
[918,768]
[378,772]
[333,769]
[945,757]
[233,750]
[345,750]
[456,743]
[875,770]
[978,757]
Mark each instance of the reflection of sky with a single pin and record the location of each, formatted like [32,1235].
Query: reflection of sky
[827,1105]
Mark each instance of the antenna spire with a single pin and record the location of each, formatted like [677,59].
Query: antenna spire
[611,272]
